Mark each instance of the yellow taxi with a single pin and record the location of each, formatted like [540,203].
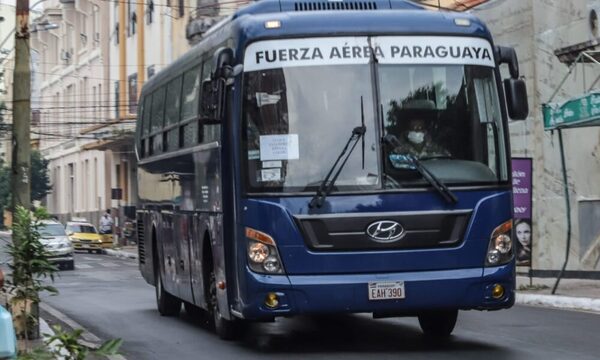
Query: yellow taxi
[84,236]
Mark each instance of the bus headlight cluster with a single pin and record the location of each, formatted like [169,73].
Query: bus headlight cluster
[263,256]
[500,249]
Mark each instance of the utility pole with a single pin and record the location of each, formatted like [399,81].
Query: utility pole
[21,147]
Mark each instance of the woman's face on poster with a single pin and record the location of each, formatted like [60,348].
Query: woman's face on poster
[524,234]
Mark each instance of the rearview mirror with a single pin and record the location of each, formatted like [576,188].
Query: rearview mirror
[508,55]
[214,90]
[516,98]
[208,100]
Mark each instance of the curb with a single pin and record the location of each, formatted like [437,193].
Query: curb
[560,302]
[87,338]
[48,332]
[121,254]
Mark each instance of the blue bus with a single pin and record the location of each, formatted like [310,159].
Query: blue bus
[320,157]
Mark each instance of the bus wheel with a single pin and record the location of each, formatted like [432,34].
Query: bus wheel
[226,329]
[167,304]
[438,324]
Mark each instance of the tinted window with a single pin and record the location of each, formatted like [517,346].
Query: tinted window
[173,101]
[146,115]
[158,102]
[191,90]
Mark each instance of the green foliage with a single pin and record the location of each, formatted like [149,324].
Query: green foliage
[4,187]
[68,342]
[110,347]
[66,345]
[30,266]
[40,353]
[40,181]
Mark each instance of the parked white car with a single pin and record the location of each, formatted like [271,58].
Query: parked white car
[56,241]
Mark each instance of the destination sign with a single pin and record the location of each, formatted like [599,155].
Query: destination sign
[273,54]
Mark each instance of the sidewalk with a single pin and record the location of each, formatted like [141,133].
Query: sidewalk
[129,251]
[572,294]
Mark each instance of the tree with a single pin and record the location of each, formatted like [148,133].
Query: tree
[40,181]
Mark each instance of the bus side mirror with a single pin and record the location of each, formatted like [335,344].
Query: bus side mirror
[208,100]
[508,55]
[214,91]
[516,98]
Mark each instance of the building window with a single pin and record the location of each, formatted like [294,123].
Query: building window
[181,8]
[132,19]
[116,100]
[133,94]
[96,24]
[150,12]
[83,33]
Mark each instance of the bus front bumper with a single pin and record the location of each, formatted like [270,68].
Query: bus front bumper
[464,289]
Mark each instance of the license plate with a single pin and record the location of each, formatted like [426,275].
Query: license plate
[386,290]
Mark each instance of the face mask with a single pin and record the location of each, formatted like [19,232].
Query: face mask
[416,137]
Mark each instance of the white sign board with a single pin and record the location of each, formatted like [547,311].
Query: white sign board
[279,147]
[439,50]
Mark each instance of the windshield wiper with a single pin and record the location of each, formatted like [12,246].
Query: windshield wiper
[425,173]
[326,185]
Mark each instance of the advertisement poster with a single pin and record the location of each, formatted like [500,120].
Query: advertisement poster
[522,169]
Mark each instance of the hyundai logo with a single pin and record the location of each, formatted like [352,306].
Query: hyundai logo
[385,231]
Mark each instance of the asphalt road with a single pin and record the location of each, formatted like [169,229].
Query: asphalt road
[108,296]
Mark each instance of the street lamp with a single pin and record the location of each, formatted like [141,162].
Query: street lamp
[43,26]
[13,30]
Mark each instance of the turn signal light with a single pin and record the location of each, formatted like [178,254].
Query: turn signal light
[272,301]
[498,291]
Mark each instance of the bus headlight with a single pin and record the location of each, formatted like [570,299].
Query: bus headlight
[500,249]
[263,256]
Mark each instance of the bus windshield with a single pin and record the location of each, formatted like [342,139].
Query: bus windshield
[298,119]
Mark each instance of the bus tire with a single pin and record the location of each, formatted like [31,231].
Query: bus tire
[226,329]
[438,324]
[167,304]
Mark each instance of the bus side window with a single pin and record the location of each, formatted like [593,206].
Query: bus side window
[138,128]
[157,123]
[146,118]
[173,102]
[207,68]
[189,107]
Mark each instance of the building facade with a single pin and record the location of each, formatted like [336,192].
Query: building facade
[541,31]
[92,67]
[73,74]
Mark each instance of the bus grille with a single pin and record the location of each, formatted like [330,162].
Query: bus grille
[326,5]
[141,239]
[348,232]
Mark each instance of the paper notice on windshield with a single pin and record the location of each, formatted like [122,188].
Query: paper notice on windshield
[279,147]
[419,50]
[270,174]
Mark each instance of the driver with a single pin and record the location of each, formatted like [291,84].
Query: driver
[416,141]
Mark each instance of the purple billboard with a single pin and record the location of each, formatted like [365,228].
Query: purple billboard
[522,169]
